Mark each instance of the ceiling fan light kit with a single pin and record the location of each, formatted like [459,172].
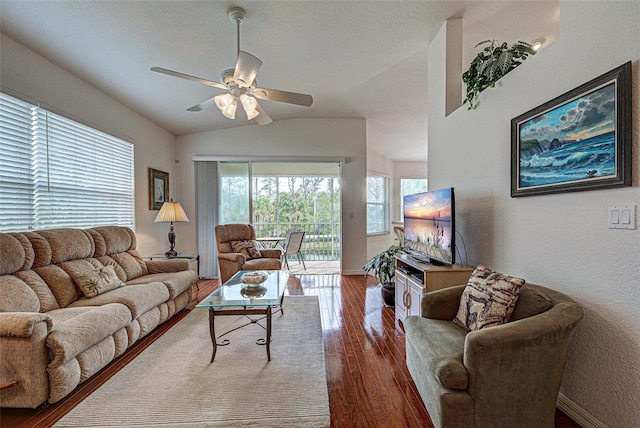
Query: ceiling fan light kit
[241,84]
[227,105]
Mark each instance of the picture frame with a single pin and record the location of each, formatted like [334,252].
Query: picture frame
[578,141]
[158,188]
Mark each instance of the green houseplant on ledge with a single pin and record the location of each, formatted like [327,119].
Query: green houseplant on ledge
[383,265]
[490,64]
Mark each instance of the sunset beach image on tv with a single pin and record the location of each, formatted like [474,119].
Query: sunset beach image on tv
[428,224]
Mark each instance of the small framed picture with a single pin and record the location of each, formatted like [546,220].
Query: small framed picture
[158,188]
[578,141]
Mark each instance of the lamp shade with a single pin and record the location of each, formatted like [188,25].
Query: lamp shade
[249,104]
[227,105]
[171,212]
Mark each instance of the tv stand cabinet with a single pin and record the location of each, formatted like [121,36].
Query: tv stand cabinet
[413,279]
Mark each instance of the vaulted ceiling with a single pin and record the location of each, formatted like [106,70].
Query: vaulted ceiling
[358,59]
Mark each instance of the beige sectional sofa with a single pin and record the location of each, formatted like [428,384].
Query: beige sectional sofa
[53,337]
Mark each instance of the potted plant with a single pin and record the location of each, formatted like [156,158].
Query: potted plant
[383,265]
[493,62]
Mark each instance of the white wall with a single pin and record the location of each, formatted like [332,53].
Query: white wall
[561,241]
[40,80]
[285,138]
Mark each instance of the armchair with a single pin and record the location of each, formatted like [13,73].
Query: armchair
[503,376]
[232,262]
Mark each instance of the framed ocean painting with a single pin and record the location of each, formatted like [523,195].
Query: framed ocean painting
[578,141]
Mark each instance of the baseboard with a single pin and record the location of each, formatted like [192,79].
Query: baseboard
[577,413]
[352,272]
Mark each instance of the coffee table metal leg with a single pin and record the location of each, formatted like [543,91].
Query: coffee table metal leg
[212,332]
[269,333]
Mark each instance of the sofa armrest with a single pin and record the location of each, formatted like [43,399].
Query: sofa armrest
[527,354]
[167,265]
[22,324]
[233,257]
[24,358]
[271,253]
[442,304]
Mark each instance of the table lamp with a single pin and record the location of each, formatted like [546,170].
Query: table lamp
[170,212]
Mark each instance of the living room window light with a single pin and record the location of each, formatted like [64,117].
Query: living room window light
[377,204]
[411,186]
[55,172]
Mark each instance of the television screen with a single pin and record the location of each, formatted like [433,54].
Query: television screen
[429,226]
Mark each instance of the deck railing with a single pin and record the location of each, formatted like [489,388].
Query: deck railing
[321,240]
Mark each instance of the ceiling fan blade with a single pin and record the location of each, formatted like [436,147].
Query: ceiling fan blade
[263,118]
[188,77]
[283,96]
[246,69]
[211,102]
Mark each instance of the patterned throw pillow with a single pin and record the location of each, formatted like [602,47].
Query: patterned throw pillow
[98,281]
[488,299]
[248,248]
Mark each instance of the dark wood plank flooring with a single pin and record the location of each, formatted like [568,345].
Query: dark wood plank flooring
[368,381]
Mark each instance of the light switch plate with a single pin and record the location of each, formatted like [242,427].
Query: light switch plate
[621,217]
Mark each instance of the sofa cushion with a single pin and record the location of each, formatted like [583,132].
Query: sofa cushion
[41,249]
[532,301]
[138,299]
[440,345]
[12,255]
[47,299]
[247,248]
[176,282]
[488,299]
[29,255]
[97,281]
[130,263]
[115,239]
[17,296]
[76,330]
[60,283]
[68,244]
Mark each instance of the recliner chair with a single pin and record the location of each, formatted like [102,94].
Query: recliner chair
[232,262]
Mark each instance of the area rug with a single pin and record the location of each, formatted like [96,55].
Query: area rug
[173,384]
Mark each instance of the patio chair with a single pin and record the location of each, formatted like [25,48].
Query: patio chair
[292,245]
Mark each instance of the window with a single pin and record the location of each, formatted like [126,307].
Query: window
[377,204]
[411,186]
[55,172]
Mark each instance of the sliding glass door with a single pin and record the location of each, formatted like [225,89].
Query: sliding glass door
[278,196]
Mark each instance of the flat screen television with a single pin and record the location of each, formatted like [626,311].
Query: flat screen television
[429,226]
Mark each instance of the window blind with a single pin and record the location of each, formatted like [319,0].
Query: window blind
[79,176]
[16,187]
[377,204]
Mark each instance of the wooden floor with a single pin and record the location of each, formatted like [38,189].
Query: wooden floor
[368,381]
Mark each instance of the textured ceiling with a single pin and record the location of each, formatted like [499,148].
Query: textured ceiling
[358,59]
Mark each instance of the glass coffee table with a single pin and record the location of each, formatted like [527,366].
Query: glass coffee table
[237,298]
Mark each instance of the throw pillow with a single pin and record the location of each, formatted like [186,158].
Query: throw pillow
[98,281]
[248,248]
[488,299]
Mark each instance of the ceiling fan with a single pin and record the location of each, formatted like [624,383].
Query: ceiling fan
[241,84]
